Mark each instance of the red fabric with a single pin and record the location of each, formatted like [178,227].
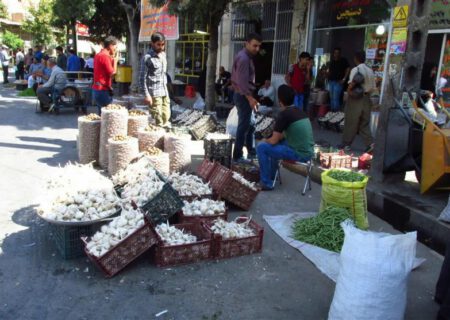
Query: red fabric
[103,70]
[298,76]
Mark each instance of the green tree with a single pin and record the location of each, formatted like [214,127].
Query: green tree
[3,10]
[211,15]
[12,40]
[40,21]
[67,12]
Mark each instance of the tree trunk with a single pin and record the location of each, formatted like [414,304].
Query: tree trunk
[133,18]
[211,64]
[74,35]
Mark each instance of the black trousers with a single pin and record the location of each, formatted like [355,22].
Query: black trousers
[5,74]
[20,73]
[442,294]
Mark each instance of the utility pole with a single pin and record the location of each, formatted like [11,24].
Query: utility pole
[405,70]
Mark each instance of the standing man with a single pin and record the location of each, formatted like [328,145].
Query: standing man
[105,67]
[73,62]
[20,65]
[357,111]
[38,53]
[243,82]
[338,71]
[5,57]
[298,76]
[61,58]
[155,80]
[28,59]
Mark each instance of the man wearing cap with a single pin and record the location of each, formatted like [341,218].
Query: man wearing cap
[4,57]
[298,76]
[57,81]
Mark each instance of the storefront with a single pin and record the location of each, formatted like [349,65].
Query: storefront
[351,26]
[436,68]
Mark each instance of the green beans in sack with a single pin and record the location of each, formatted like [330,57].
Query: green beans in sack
[339,192]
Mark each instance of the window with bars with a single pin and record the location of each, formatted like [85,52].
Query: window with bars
[241,28]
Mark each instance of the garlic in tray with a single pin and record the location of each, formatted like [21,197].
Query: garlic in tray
[173,236]
[204,207]
[115,232]
[134,171]
[189,185]
[244,181]
[229,230]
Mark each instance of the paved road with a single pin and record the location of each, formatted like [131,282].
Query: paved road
[36,283]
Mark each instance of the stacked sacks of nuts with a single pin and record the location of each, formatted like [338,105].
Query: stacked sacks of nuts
[88,138]
[159,159]
[151,136]
[114,123]
[121,150]
[178,145]
[137,121]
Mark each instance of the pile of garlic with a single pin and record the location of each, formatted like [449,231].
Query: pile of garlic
[134,171]
[92,117]
[204,207]
[79,206]
[229,230]
[114,232]
[136,112]
[173,236]
[244,181]
[152,151]
[152,128]
[114,107]
[189,185]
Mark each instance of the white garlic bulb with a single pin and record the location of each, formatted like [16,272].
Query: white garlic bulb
[229,230]
[204,207]
[173,236]
[189,185]
[244,181]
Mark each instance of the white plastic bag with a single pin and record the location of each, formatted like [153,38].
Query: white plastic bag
[445,214]
[232,122]
[373,275]
[199,104]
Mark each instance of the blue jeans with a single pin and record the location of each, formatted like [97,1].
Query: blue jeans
[298,100]
[101,98]
[268,157]
[335,88]
[245,129]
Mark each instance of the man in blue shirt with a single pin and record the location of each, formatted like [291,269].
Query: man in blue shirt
[73,62]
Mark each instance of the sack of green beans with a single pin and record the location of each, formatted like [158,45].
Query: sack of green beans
[346,189]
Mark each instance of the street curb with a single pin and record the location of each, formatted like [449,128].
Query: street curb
[402,215]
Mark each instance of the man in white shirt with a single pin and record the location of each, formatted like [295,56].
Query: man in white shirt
[358,109]
[57,81]
[266,94]
[4,57]
[20,58]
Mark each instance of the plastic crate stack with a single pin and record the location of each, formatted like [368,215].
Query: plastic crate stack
[218,147]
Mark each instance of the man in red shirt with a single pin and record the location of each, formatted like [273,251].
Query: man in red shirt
[298,76]
[105,66]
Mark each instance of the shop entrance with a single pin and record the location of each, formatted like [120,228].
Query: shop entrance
[431,62]
[263,63]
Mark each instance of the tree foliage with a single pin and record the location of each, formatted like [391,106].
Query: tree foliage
[108,19]
[12,40]
[39,23]
[3,10]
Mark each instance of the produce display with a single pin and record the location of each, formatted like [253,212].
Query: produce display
[172,236]
[152,151]
[189,185]
[151,136]
[121,150]
[204,207]
[88,138]
[136,112]
[244,181]
[115,232]
[137,120]
[142,189]
[349,176]
[323,230]
[114,122]
[217,136]
[230,230]
[134,172]
[178,147]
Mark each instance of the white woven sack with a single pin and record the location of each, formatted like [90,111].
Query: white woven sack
[88,140]
[161,163]
[136,124]
[178,147]
[120,153]
[148,139]
[114,123]
[373,275]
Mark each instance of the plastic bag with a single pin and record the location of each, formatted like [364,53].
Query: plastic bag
[349,195]
[445,214]
[199,104]
[373,275]
[232,122]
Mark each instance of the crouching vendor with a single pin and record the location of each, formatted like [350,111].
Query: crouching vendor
[292,139]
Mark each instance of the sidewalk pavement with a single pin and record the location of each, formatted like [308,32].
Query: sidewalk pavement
[279,283]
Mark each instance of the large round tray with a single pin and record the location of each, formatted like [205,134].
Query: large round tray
[78,223]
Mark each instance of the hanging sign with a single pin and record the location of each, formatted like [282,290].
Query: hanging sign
[400,17]
[440,14]
[157,19]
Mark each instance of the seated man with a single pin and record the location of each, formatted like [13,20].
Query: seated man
[35,68]
[43,75]
[57,81]
[292,138]
[266,94]
[223,85]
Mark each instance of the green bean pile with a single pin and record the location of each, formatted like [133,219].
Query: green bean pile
[323,230]
[348,176]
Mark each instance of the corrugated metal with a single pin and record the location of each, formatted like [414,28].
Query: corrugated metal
[281,57]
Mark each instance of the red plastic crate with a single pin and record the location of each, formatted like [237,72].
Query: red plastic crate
[165,255]
[205,169]
[219,178]
[228,248]
[122,254]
